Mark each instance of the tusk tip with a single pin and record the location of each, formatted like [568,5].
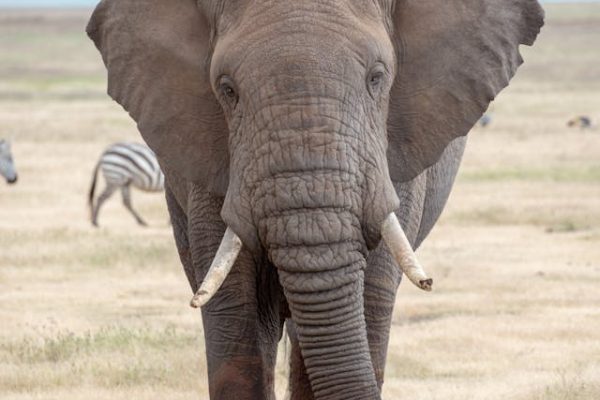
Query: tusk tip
[199,299]
[426,284]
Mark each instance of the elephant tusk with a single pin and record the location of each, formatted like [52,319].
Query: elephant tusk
[398,243]
[219,269]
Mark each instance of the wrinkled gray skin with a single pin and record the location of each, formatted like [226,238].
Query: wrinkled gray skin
[7,164]
[301,125]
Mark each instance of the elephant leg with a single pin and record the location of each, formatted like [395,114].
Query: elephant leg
[242,322]
[382,278]
[126,194]
[105,195]
[298,384]
[179,223]
[422,201]
[241,338]
[439,180]
[382,275]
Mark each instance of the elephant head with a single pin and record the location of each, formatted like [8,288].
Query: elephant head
[303,115]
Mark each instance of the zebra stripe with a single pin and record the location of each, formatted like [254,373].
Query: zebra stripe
[124,165]
[132,163]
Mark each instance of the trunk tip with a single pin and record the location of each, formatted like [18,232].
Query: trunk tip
[426,284]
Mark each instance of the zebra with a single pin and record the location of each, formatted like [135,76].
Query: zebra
[7,164]
[124,165]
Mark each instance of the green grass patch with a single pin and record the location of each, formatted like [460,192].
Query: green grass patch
[64,345]
[51,82]
[552,174]
[571,13]
[405,367]
[567,226]
[503,216]
[569,387]
[109,358]
[80,251]
[58,86]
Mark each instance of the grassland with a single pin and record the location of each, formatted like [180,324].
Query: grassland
[103,314]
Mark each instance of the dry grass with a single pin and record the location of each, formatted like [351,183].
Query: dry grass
[103,313]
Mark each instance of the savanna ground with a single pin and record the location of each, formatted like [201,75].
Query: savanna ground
[102,313]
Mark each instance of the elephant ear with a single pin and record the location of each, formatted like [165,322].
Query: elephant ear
[157,55]
[453,58]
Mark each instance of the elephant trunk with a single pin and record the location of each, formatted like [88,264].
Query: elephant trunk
[310,222]
[323,283]
[311,195]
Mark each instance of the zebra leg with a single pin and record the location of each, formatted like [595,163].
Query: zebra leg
[127,202]
[108,191]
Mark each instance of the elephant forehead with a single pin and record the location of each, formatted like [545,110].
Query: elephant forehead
[267,11]
[285,37]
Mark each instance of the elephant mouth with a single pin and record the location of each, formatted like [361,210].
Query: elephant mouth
[231,245]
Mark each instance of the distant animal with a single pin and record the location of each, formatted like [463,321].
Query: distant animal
[7,164]
[485,120]
[124,165]
[581,121]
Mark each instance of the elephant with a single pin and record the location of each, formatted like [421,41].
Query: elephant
[308,148]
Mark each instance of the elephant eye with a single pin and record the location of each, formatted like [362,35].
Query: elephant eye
[228,92]
[375,79]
